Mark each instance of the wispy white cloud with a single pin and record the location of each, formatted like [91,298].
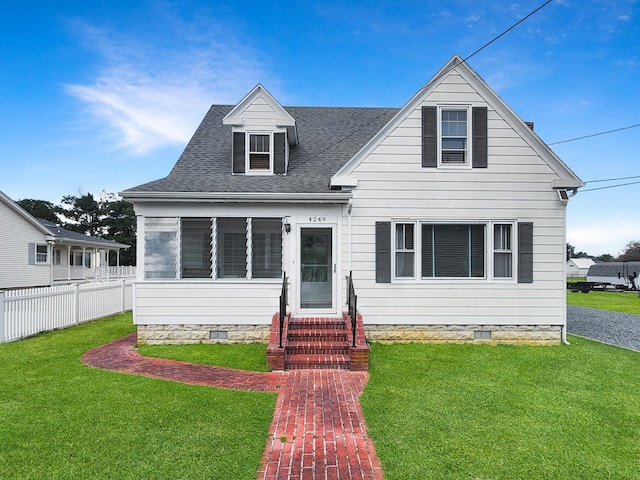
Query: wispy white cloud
[151,92]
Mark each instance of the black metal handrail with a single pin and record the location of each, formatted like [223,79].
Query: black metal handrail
[283,304]
[352,305]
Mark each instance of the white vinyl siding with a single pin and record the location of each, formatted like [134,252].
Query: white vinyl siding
[15,236]
[392,184]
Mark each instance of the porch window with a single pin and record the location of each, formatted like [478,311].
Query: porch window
[232,248]
[196,248]
[160,247]
[266,235]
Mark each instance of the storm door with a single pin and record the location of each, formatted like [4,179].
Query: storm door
[316,268]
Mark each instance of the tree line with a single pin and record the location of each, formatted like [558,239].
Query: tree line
[109,217]
[631,253]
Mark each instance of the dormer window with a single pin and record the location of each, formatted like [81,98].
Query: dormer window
[259,153]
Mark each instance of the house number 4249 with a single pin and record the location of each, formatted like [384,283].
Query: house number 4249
[317,219]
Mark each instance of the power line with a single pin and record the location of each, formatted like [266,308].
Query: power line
[595,134]
[612,179]
[610,186]
[464,60]
[443,73]
[508,29]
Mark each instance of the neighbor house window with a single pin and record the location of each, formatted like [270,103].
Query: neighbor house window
[42,251]
[502,251]
[405,250]
[259,152]
[196,248]
[453,251]
[57,256]
[453,136]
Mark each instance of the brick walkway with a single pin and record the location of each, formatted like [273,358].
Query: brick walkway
[318,430]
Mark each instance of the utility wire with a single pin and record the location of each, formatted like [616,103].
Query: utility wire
[595,134]
[508,29]
[613,179]
[464,60]
[435,78]
[610,186]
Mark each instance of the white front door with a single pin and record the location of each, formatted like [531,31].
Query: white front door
[316,268]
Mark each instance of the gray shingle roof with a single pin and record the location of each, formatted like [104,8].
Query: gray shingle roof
[71,236]
[328,138]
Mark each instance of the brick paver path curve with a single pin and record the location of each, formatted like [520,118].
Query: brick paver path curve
[318,430]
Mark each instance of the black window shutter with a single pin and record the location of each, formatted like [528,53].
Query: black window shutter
[238,152]
[429,137]
[525,252]
[279,162]
[383,252]
[479,133]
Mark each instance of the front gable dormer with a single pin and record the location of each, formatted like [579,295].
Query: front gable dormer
[262,133]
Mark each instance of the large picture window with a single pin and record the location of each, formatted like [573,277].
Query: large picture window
[453,251]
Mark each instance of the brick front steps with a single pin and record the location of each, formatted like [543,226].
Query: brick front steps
[317,343]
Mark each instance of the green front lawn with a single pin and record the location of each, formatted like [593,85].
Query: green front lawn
[250,356]
[625,302]
[501,412]
[60,419]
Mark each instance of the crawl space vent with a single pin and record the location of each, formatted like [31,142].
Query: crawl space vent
[218,335]
[482,335]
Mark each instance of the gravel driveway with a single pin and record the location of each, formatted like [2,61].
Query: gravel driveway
[622,329]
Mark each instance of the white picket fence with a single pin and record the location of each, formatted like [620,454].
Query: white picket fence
[30,311]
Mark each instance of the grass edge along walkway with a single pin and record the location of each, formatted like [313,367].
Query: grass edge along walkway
[503,412]
[62,420]
[318,429]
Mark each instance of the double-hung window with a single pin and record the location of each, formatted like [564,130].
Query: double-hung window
[405,250]
[259,152]
[502,251]
[41,253]
[454,136]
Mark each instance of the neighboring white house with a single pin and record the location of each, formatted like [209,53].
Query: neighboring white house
[578,267]
[450,213]
[36,252]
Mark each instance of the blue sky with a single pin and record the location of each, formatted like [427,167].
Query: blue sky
[105,95]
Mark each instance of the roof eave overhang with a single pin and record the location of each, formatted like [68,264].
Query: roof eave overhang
[238,197]
[88,243]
